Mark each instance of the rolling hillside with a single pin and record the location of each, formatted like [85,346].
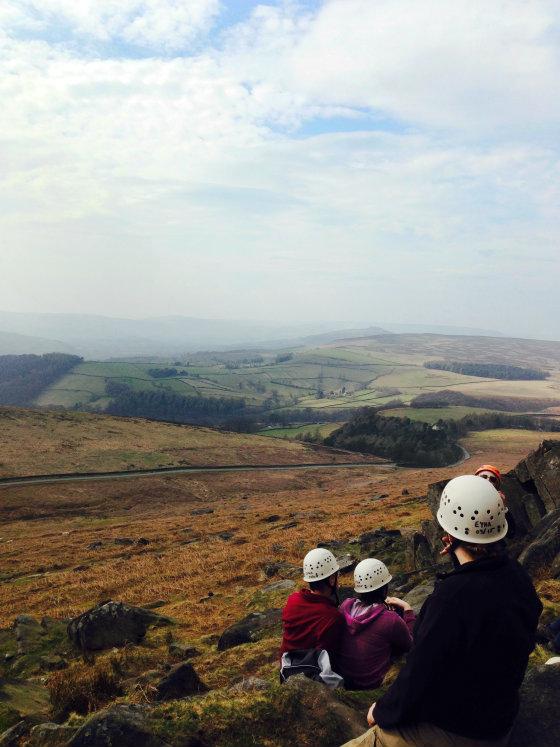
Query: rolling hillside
[328,378]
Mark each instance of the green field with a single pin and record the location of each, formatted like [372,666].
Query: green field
[332,377]
[295,431]
[433,414]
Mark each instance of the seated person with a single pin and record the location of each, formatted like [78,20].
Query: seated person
[373,631]
[311,617]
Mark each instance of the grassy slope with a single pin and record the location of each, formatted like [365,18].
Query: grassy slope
[433,414]
[47,530]
[371,370]
[324,429]
[47,442]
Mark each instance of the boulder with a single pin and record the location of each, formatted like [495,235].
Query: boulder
[537,724]
[417,596]
[346,563]
[544,544]
[418,552]
[281,585]
[111,624]
[182,650]
[122,725]
[247,684]
[180,681]
[11,737]
[273,568]
[344,723]
[28,633]
[249,629]
[50,735]
[541,469]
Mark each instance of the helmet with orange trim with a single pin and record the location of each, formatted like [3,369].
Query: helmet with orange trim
[491,473]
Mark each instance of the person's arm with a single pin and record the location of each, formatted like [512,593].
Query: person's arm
[403,627]
[401,636]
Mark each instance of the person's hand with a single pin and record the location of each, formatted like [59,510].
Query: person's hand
[396,602]
[370,716]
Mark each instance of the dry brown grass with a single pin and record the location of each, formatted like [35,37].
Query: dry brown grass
[35,442]
[47,530]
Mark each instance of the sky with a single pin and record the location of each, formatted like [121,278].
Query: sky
[361,160]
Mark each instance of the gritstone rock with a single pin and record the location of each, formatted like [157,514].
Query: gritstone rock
[112,624]
[249,629]
[180,681]
[119,726]
[537,724]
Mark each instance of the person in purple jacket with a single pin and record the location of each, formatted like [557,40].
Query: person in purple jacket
[373,630]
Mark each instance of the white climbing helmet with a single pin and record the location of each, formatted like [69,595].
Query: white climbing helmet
[370,574]
[472,510]
[319,564]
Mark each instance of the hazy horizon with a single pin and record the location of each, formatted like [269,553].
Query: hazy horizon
[283,161]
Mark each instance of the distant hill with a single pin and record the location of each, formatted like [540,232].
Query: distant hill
[97,337]
[15,344]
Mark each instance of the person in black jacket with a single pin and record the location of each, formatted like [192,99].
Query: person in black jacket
[472,639]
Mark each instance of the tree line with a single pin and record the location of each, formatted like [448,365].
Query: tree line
[489,370]
[418,444]
[176,408]
[447,397]
[24,377]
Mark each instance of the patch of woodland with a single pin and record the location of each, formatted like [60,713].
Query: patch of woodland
[407,442]
[449,397]
[418,444]
[24,377]
[489,370]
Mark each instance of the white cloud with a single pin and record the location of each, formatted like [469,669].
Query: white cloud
[466,64]
[193,166]
[158,24]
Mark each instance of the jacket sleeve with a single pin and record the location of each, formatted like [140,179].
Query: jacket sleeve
[436,637]
[401,633]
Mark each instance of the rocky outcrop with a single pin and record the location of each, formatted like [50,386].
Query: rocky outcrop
[180,681]
[12,736]
[112,624]
[543,544]
[120,726]
[537,724]
[345,723]
[250,628]
[50,735]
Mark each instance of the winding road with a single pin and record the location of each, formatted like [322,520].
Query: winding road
[6,482]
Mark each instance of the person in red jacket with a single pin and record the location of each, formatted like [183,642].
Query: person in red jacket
[311,617]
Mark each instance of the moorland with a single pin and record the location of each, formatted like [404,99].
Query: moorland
[203,547]
[208,543]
